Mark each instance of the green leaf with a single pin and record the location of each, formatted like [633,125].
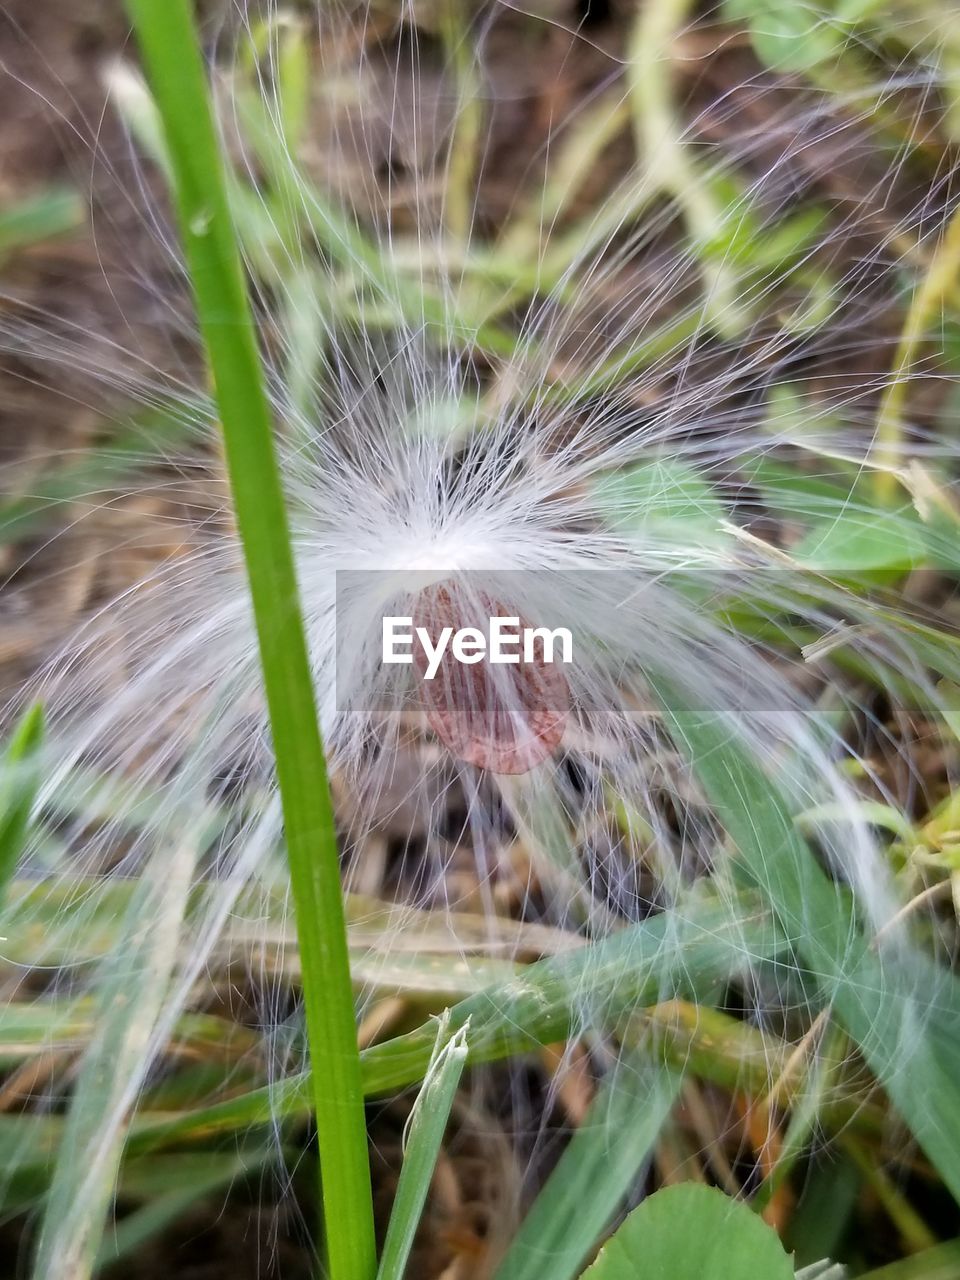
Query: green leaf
[940,1263]
[854,540]
[113,1065]
[427,1124]
[596,1171]
[664,501]
[693,947]
[19,781]
[692,1232]
[902,1010]
[828,1202]
[845,531]
[51,213]
[789,37]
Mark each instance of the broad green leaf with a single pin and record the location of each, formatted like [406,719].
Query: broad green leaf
[845,532]
[794,38]
[692,1232]
[854,540]
[935,503]
[664,501]
[798,36]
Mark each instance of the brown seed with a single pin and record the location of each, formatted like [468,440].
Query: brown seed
[505,718]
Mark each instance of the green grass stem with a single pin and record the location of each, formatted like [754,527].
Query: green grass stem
[171,53]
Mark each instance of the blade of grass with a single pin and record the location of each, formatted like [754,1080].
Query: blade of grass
[95,473]
[693,1038]
[427,1124]
[19,780]
[823,1216]
[599,985]
[185,1187]
[51,213]
[913,1231]
[597,1169]
[902,1011]
[939,1263]
[34,1026]
[130,1000]
[385,935]
[171,52]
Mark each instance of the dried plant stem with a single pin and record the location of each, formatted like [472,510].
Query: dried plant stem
[941,278]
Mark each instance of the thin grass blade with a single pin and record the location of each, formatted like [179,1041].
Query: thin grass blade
[903,1014]
[19,781]
[170,47]
[186,1187]
[940,1263]
[593,986]
[129,1004]
[51,213]
[596,1171]
[428,1122]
